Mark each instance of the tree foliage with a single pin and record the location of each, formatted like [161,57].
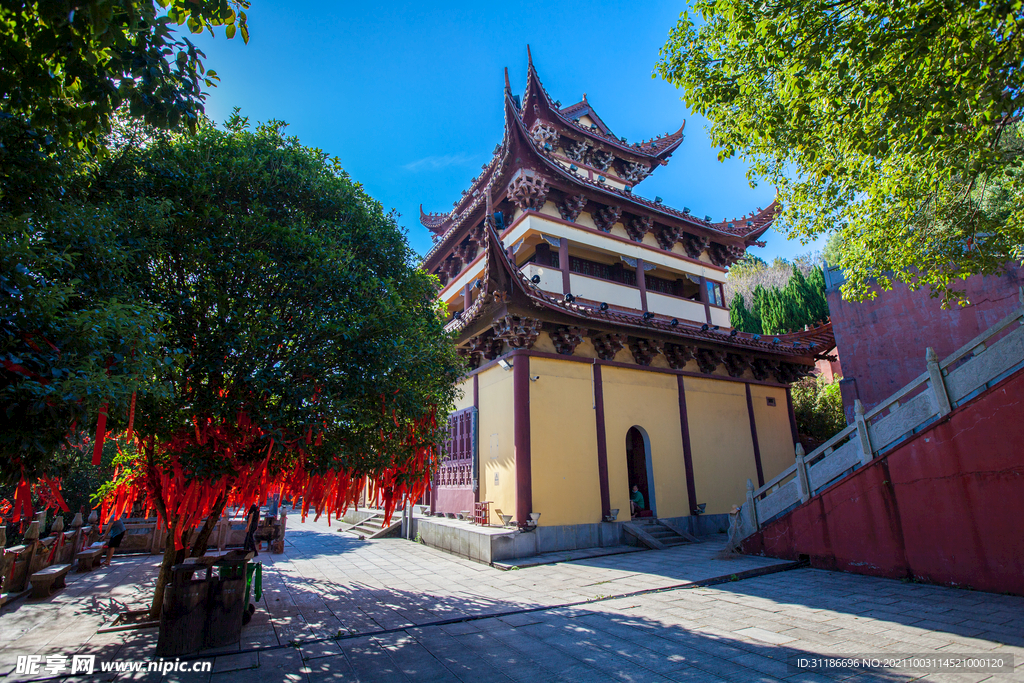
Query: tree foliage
[313,351]
[741,318]
[71,336]
[818,406]
[69,66]
[782,298]
[74,335]
[894,123]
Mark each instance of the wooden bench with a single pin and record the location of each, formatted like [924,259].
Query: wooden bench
[47,581]
[87,558]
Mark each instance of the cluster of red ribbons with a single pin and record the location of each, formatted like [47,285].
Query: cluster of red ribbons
[189,499]
[47,490]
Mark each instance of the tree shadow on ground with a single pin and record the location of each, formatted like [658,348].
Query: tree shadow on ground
[620,640]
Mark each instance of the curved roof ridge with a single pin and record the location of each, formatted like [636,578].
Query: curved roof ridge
[752,226]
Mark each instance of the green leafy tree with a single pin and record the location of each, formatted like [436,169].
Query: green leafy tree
[313,347]
[757,304]
[818,406]
[818,298]
[894,123]
[799,301]
[69,66]
[741,318]
[73,334]
[747,266]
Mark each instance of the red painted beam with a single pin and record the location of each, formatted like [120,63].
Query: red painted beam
[684,425]
[602,445]
[753,437]
[521,435]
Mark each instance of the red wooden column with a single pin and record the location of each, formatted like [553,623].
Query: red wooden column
[521,435]
[705,298]
[476,404]
[684,426]
[602,444]
[753,436]
[563,264]
[641,282]
[792,416]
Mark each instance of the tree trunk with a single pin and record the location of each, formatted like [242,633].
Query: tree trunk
[170,557]
[203,539]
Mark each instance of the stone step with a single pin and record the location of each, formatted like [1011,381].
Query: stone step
[673,541]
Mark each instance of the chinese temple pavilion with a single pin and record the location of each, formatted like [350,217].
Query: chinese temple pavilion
[597,339]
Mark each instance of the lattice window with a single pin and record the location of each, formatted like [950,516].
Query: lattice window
[602,271]
[456,468]
[662,286]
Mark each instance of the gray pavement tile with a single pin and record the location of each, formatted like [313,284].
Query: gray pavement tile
[245,660]
[416,662]
[368,659]
[328,669]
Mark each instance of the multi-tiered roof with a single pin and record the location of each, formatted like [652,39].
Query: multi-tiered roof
[606,170]
[568,156]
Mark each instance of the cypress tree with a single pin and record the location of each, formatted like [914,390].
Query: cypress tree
[797,297]
[773,313]
[756,304]
[819,302]
[741,318]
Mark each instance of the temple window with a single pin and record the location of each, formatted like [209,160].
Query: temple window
[715,294]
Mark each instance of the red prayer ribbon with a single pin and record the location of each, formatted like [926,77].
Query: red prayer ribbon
[101,434]
[131,418]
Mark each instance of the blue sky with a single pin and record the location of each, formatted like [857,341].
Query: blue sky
[409,95]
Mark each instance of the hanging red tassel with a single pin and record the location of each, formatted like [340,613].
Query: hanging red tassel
[131,418]
[101,434]
[22,502]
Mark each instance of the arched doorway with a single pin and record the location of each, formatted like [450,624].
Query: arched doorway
[638,466]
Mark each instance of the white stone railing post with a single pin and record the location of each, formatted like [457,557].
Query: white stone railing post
[938,383]
[866,452]
[752,509]
[802,481]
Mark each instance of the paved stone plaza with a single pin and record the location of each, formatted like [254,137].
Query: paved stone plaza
[339,609]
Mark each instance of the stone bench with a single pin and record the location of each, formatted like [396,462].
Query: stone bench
[87,558]
[46,581]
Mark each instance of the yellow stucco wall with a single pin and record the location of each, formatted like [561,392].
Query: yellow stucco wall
[465,400]
[495,438]
[774,434]
[723,452]
[563,453]
[566,484]
[649,400]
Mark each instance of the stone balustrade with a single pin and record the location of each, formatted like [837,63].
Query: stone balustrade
[19,562]
[987,359]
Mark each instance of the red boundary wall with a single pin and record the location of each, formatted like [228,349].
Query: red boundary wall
[946,507]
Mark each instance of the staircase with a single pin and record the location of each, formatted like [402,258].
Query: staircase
[373,527]
[658,534]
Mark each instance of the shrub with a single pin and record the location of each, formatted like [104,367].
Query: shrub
[819,408]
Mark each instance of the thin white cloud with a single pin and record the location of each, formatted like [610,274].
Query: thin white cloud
[435,163]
